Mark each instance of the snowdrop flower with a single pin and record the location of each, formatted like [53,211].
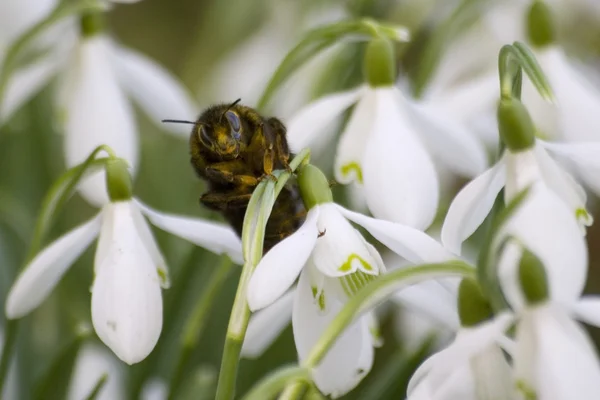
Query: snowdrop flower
[333,261]
[92,362]
[129,268]
[96,77]
[472,366]
[554,358]
[389,143]
[552,215]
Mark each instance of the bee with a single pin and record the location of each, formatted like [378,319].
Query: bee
[233,148]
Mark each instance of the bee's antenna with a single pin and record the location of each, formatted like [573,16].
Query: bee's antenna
[229,108]
[178,121]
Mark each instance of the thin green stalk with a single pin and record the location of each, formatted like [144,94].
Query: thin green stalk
[63,10]
[10,337]
[375,292]
[97,387]
[294,391]
[253,234]
[197,322]
[272,384]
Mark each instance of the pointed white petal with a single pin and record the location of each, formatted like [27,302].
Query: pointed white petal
[450,141]
[155,89]
[560,361]
[97,113]
[564,185]
[266,325]
[214,236]
[522,171]
[493,376]
[414,245]
[545,226]
[126,294]
[587,309]
[353,140]
[310,121]
[25,83]
[280,267]
[17,16]
[92,362]
[43,273]
[583,157]
[348,360]
[341,249]
[471,205]
[399,176]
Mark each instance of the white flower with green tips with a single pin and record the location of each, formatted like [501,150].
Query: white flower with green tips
[129,270]
[333,262]
[389,143]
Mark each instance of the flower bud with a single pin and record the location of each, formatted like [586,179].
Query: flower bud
[515,125]
[541,30]
[532,277]
[473,307]
[118,180]
[91,24]
[380,63]
[314,186]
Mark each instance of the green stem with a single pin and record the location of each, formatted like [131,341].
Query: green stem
[273,383]
[253,234]
[293,391]
[374,292]
[62,10]
[11,329]
[197,322]
[97,387]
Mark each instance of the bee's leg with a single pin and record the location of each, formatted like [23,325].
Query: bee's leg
[225,201]
[230,172]
[281,147]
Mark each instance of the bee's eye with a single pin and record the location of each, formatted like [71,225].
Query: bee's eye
[234,122]
[203,136]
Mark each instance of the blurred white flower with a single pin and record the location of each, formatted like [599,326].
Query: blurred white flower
[92,362]
[96,76]
[560,197]
[129,271]
[472,367]
[388,146]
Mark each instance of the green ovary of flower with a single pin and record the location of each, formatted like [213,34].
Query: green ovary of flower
[353,166]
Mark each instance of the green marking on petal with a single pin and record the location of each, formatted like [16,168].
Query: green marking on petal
[584,217]
[355,281]
[352,166]
[527,392]
[163,276]
[319,297]
[347,266]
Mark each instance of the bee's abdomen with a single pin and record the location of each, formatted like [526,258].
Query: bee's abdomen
[287,216]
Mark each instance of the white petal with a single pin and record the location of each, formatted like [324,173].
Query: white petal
[522,171]
[587,309]
[126,295]
[25,83]
[214,236]
[42,274]
[266,325]
[97,113]
[563,184]
[584,157]
[399,177]
[310,121]
[560,362]
[341,249]
[468,343]
[92,362]
[155,89]
[412,244]
[17,16]
[280,267]
[354,138]
[545,226]
[470,207]
[449,140]
[348,360]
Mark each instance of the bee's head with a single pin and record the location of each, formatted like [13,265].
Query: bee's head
[220,135]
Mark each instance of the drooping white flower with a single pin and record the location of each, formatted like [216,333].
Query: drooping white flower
[472,367]
[96,76]
[129,271]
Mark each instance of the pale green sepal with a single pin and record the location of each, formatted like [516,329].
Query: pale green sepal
[314,186]
[118,180]
[533,279]
[541,27]
[473,306]
[515,125]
